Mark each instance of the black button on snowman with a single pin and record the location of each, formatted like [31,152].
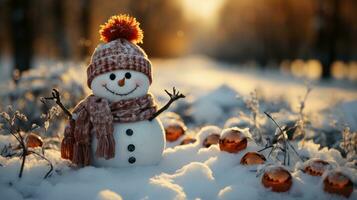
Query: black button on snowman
[129,132]
[131,147]
[132,160]
[125,130]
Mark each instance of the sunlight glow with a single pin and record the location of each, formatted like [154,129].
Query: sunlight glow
[339,70]
[205,11]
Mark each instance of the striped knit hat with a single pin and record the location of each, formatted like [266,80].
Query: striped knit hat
[120,51]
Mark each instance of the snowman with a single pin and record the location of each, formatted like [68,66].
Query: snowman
[116,126]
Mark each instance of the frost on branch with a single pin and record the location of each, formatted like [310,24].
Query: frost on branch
[252,104]
[26,140]
[349,144]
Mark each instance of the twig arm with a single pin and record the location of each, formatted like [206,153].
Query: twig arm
[175,95]
[57,98]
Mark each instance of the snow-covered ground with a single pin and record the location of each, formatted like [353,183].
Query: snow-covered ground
[199,75]
[208,86]
[190,171]
[186,172]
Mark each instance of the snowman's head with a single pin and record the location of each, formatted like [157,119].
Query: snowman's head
[120,84]
[119,69]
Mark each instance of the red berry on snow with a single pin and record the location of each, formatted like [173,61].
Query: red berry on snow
[188,140]
[232,141]
[338,183]
[316,167]
[278,179]
[174,129]
[211,140]
[252,158]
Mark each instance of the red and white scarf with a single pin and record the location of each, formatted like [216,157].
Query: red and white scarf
[97,115]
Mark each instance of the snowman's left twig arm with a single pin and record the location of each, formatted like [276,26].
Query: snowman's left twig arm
[175,95]
[57,98]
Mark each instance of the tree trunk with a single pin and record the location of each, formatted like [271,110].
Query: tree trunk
[85,27]
[21,34]
[328,35]
[60,33]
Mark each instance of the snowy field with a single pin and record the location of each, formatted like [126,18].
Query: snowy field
[214,95]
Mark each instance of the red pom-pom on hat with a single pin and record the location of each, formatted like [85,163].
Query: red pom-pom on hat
[121,26]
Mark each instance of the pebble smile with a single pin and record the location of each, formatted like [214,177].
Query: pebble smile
[119,94]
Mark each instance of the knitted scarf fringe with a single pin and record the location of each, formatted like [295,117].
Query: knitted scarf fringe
[81,154]
[67,144]
[106,147]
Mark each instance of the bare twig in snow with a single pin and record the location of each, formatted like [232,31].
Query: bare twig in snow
[287,144]
[49,162]
[15,131]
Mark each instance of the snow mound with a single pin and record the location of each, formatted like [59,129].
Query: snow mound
[237,122]
[348,112]
[224,96]
[212,107]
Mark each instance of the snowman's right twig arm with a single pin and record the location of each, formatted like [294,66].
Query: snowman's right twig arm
[175,95]
[57,98]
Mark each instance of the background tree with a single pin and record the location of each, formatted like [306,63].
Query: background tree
[328,13]
[60,35]
[85,27]
[21,33]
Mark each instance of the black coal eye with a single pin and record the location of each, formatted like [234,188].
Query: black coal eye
[127,75]
[112,77]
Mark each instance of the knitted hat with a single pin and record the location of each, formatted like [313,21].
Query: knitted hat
[121,34]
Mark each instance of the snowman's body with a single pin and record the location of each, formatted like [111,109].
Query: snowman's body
[137,143]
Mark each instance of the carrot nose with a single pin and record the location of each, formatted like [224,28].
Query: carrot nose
[121,82]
